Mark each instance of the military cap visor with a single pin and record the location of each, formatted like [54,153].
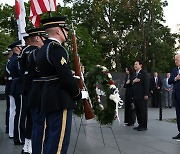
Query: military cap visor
[54,22]
[36,32]
[15,44]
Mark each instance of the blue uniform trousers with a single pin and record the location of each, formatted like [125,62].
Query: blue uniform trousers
[7,113]
[58,132]
[19,120]
[38,120]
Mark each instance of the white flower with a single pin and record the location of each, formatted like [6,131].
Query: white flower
[109,76]
[104,68]
[112,86]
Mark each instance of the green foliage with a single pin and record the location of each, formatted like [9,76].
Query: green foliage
[5,41]
[113,33]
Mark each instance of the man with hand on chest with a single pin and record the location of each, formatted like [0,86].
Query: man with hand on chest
[140,95]
[175,80]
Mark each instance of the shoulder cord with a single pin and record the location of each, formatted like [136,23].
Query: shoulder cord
[7,67]
[34,56]
[22,51]
[47,51]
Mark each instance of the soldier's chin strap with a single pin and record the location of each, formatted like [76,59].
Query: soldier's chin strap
[20,49]
[63,33]
[41,37]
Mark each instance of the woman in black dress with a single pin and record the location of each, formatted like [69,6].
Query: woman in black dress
[129,117]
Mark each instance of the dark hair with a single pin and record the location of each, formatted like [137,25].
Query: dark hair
[130,70]
[140,62]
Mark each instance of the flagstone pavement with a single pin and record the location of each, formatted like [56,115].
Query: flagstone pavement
[118,139]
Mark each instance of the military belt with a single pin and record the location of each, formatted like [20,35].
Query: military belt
[15,78]
[45,79]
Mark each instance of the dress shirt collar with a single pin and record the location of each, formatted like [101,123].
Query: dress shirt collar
[51,38]
[138,71]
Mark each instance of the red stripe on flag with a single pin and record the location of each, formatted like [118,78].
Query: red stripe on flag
[17,7]
[33,9]
[37,23]
[42,6]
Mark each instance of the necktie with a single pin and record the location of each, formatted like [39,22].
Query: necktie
[136,74]
[156,81]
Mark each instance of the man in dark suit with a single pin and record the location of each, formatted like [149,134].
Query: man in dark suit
[175,80]
[155,89]
[140,95]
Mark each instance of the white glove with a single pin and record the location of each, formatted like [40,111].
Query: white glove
[85,94]
[76,77]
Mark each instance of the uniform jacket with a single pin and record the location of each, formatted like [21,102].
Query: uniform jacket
[141,88]
[176,84]
[26,68]
[52,60]
[8,78]
[16,74]
[34,99]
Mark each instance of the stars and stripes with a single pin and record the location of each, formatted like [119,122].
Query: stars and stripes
[38,7]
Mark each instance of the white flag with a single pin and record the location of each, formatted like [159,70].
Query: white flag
[20,17]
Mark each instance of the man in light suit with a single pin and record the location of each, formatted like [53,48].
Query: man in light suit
[168,89]
[175,80]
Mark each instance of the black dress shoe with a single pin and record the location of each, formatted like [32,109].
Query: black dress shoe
[136,128]
[18,143]
[142,129]
[11,137]
[176,137]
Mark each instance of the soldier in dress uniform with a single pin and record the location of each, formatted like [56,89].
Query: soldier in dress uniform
[7,53]
[34,40]
[16,92]
[60,88]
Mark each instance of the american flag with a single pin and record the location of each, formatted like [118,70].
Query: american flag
[38,7]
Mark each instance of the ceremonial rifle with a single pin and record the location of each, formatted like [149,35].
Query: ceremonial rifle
[89,114]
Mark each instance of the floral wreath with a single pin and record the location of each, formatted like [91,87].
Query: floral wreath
[100,75]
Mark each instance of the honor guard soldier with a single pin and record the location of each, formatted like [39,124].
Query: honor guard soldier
[60,88]
[7,77]
[34,40]
[16,92]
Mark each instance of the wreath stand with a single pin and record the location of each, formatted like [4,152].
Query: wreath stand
[100,126]
[112,94]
